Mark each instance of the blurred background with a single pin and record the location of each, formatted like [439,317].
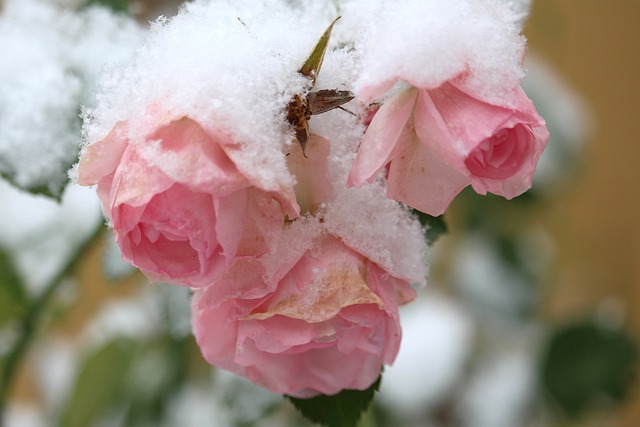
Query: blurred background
[531,317]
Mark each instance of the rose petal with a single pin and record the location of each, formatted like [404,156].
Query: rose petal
[313,185]
[419,178]
[380,143]
[102,157]
[187,154]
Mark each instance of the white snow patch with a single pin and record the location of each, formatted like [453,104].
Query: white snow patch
[428,42]
[436,342]
[43,234]
[49,61]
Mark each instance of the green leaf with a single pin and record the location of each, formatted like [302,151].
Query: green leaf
[157,372]
[115,5]
[340,410]
[435,225]
[13,298]
[100,379]
[585,363]
[312,65]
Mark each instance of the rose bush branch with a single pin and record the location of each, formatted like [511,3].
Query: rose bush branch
[33,319]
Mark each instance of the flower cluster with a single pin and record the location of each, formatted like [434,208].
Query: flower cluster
[224,164]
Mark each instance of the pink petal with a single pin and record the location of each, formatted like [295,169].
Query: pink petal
[248,223]
[520,181]
[322,283]
[245,278]
[102,157]
[172,237]
[377,91]
[136,181]
[381,140]
[419,178]
[230,212]
[264,221]
[313,185]
[187,154]
[216,331]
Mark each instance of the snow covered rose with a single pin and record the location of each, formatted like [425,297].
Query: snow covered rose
[436,141]
[180,209]
[454,114]
[330,323]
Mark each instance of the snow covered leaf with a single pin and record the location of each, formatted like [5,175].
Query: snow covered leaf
[50,59]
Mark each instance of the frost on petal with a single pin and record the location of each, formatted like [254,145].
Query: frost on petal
[322,283]
[102,158]
[186,153]
[329,324]
[136,181]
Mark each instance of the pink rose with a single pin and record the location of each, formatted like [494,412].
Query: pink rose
[330,323]
[437,141]
[180,208]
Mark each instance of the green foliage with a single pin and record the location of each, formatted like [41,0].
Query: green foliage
[435,225]
[100,380]
[157,371]
[585,365]
[115,5]
[341,410]
[48,190]
[135,379]
[13,298]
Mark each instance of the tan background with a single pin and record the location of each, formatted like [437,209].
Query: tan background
[595,46]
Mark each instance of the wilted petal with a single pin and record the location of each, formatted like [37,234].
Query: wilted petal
[329,324]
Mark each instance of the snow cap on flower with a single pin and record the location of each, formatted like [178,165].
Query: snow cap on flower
[230,66]
[234,78]
[426,43]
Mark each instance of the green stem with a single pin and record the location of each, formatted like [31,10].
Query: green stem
[32,320]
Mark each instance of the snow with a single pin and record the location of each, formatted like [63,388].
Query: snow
[234,69]
[500,392]
[428,42]
[49,60]
[42,234]
[231,67]
[436,344]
